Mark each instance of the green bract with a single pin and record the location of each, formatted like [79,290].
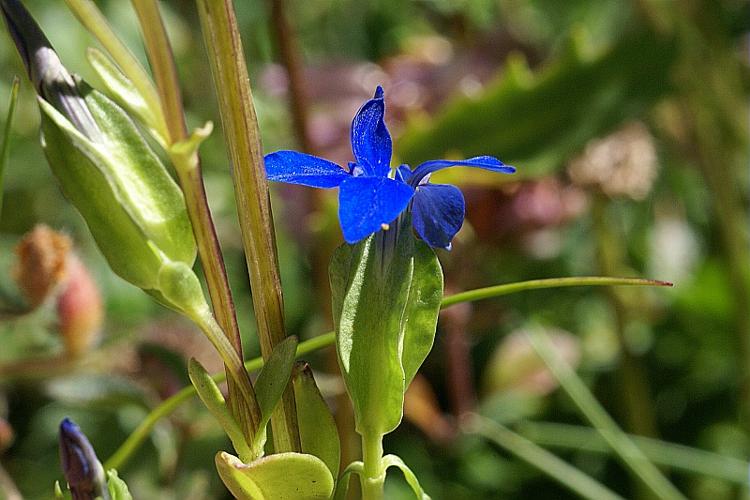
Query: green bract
[134,209]
[386,297]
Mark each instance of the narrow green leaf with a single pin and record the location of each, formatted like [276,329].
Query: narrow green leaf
[211,396]
[318,433]
[5,145]
[411,478]
[123,92]
[662,453]
[584,93]
[274,377]
[118,490]
[283,476]
[92,18]
[626,449]
[557,469]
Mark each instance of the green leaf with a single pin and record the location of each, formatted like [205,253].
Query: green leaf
[318,433]
[5,145]
[123,92]
[386,295]
[538,121]
[420,318]
[342,485]
[134,209]
[117,488]
[283,476]
[411,479]
[58,492]
[211,396]
[274,377]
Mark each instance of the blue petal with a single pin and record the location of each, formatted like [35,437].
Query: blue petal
[403,173]
[366,203]
[438,213]
[371,142]
[299,168]
[485,162]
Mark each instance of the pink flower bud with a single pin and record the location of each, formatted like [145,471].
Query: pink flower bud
[79,309]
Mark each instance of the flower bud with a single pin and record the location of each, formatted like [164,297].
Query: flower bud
[134,209]
[42,258]
[81,467]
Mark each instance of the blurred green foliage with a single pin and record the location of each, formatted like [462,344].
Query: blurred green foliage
[587,67]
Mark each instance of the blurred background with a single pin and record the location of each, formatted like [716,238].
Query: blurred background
[628,124]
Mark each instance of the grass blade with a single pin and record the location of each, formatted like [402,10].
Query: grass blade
[559,470]
[5,146]
[624,447]
[675,456]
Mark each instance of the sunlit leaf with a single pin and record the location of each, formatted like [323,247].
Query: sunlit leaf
[283,476]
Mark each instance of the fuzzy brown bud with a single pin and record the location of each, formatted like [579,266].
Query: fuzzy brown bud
[42,257]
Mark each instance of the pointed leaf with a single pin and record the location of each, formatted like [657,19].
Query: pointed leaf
[423,305]
[342,485]
[317,429]
[274,377]
[283,476]
[117,488]
[58,492]
[211,396]
[123,92]
[411,478]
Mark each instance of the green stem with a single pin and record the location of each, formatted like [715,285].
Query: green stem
[500,290]
[5,146]
[169,405]
[675,456]
[565,474]
[232,83]
[290,58]
[205,320]
[188,168]
[373,473]
[629,453]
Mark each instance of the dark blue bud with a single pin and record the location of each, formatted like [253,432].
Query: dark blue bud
[82,469]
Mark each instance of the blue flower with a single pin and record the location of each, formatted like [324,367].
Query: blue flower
[371,196]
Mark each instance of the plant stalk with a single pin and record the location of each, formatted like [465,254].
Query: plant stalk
[373,474]
[289,54]
[161,60]
[226,55]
